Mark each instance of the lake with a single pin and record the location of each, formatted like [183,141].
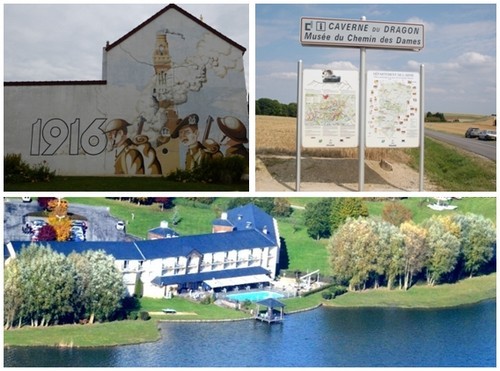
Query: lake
[325,337]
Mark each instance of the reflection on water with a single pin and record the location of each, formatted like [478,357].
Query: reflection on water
[325,337]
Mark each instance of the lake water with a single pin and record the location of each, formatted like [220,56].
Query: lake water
[324,337]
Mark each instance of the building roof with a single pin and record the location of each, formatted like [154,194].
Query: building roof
[271,303]
[204,243]
[164,232]
[249,217]
[182,11]
[119,250]
[208,276]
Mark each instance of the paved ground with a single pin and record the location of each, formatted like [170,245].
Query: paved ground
[102,227]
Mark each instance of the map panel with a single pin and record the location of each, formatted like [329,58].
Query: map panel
[393,109]
[330,101]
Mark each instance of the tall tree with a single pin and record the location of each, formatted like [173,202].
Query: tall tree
[477,238]
[416,252]
[317,218]
[396,213]
[102,287]
[444,248]
[343,208]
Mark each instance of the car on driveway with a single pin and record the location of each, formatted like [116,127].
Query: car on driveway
[487,135]
[120,225]
[472,132]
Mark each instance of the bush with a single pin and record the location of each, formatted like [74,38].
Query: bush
[18,171]
[133,316]
[228,170]
[144,316]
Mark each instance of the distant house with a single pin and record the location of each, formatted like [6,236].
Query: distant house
[163,231]
[242,251]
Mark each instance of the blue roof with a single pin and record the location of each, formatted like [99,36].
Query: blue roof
[165,232]
[206,276]
[120,250]
[251,217]
[204,243]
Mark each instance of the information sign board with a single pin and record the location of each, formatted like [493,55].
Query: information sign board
[361,34]
[393,109]
[330,108]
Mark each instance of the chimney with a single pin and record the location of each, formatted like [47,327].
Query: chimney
[12,253]
[223,216]
[164,224]
[264,230]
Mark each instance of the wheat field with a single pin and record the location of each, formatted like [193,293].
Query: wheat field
[278,136]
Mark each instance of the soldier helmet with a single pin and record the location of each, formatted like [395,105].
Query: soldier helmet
[233,128]
[116,124]
[191,120]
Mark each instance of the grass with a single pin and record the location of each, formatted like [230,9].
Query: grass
[98,184]
[455,170]
[468,291]
[98,334]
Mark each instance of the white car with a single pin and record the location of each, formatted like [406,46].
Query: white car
[120,225]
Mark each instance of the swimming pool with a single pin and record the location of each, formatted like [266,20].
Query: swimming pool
[254,296]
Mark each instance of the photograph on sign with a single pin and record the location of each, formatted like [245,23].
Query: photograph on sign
[330,108]
[392,109]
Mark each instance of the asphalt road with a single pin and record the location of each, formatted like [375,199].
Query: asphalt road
[101,225]
[487,149]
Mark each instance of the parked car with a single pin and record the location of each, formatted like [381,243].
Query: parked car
[26,199]
[37,224]
[472,132]
[487,135]
[79,223]
[120,225]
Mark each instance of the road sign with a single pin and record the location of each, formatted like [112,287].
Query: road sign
[361,34]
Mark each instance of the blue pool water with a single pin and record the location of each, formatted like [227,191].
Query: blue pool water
[254,296]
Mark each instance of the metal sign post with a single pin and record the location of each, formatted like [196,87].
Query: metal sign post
[299,125]
[362,116]
[422,134]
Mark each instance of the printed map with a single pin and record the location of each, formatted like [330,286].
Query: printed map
[393,109]
[330,110]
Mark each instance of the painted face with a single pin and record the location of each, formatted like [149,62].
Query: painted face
[188,136]
[115,139]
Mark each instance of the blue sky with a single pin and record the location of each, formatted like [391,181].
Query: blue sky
[459,54]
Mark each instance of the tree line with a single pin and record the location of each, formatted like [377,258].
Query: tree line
[272,107]
[393,250]
[43,287]
[367,252]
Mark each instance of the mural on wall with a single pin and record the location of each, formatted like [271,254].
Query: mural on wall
[159,131]
[171,98]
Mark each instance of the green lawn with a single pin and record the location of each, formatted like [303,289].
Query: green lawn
[467,291]
[455,170]
[118,184]
[98,334]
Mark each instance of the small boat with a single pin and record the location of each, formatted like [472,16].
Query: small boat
[441,204]
[169,311]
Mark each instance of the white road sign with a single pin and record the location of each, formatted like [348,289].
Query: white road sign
[361,34]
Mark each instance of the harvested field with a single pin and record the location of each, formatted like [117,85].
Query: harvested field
[338,169]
